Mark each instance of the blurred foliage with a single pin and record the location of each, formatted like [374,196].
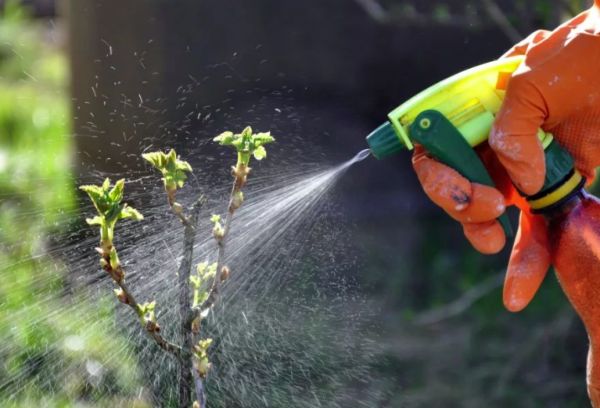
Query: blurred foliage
[440,355]
[53,347]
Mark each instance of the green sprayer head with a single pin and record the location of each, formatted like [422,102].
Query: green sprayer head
[384,141]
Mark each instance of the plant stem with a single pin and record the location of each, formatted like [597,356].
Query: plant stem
[177,209]
[240,173]
[199,385]
[151,330]
[185,369]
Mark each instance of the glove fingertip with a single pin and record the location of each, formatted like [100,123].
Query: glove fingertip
[529,263]
[442,184]
[522,282]
[514,302]
[487,238]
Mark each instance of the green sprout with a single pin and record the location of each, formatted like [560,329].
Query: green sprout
[247,144]
[218,230]
[201,355]
[194,304]
[107,202]
[173,170]
[204,274]
[147,316]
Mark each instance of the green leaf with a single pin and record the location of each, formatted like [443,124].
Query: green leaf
[195,280]
[183,166]
[259,153]
[224,139]
[130,212]
[172,169]
[201,267]
[171,156]
[202,296]
[215,218]
[116,194]
[212,271]
[113,214]
[246,144]
[263,138]
[94,192]
[106,200]
[97,220]
[157,159]
[146,311]
[247,132]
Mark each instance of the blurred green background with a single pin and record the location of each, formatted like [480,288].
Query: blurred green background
[50,349]
[444,338]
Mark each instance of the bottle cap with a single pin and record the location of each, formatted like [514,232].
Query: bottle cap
[562,180]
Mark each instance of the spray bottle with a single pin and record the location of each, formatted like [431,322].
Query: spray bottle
[455,115]
[452,117]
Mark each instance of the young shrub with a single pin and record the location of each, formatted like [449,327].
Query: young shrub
[198,293]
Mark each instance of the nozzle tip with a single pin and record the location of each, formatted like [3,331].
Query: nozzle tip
[384,141]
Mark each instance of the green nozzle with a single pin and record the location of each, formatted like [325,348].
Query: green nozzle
[384,141]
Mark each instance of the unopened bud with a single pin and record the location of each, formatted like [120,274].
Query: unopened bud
[117,274]
[122,296]
[152,327]
[177,208]
[237,200]
[218,232]
[203,367]
[224,273]
[241,171]
[196,326]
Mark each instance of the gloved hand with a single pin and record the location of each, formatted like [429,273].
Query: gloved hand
[557,88]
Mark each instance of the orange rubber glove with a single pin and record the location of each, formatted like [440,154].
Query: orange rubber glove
[557,88]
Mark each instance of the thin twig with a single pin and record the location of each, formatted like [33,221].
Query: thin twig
[177,209]
[239,174]
[374,10]
[189,232]
[150,328]
[184,220]
[199,386]
[460,305]
[497,16]
[531,346]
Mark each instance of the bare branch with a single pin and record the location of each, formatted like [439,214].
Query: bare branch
[177,209]
[374,10]
[497,16]
[240,174]
[152,330]
[463,303]
[530,346]
[199,386]
[189,232]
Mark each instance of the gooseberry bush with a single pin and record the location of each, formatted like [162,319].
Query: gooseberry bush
[198,292]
